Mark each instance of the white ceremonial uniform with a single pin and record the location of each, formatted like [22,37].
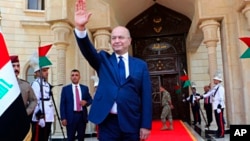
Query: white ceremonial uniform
[48,103]
[218,97]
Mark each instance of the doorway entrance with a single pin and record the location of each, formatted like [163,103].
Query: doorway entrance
[158,37]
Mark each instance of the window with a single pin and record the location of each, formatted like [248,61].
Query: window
[36,4]
[30,74]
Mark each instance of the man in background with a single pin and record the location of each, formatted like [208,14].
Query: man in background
[166,111]
[43,115]
[195,106]
[208,106]
[218,95]
[75,98]
[29,98]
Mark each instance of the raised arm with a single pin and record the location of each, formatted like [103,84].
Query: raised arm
[81,15]
[209,93]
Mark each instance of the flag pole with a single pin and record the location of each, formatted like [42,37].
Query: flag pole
[41,85]
[41,80]
[190,89]
[58,117]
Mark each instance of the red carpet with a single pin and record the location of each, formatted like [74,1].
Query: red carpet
[180,132]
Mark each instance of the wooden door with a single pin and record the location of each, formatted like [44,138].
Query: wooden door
[168,81]
[159,38]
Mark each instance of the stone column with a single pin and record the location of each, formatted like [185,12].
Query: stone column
[246,12]
[210,33]
[102,40]
[210,29]
[245,81]
[61,35]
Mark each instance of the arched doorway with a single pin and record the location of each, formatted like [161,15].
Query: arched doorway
[158,37]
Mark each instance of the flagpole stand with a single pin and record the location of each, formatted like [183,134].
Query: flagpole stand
[57,114]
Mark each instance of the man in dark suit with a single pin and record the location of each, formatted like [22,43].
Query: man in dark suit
[208,106]
[122,105]
[75,98]
[195,106]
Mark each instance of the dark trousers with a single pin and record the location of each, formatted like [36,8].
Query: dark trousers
[196,113]
[220,122]
[77,126]
[39,133]
[109,130]
[209,114]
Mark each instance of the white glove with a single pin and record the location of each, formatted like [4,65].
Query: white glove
[218,110]
[41,122]
[198,97]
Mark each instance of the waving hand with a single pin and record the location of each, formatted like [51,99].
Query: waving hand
[81,15]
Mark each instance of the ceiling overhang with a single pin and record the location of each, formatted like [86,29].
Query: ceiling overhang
[126,10]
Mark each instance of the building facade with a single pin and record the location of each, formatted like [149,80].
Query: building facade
[211,42]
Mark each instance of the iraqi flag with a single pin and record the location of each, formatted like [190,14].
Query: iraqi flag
[14,121]
[246,54]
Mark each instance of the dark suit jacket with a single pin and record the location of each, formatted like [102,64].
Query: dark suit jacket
[196,104]
[133,97]
[67,102]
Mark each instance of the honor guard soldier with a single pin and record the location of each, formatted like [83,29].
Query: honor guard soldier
[44,112]
[28,95]
[218,98]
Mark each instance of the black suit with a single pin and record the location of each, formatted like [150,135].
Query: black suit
[209,110]
[195,106]
[133,96]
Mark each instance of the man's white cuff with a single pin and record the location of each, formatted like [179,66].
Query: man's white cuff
[80,34]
